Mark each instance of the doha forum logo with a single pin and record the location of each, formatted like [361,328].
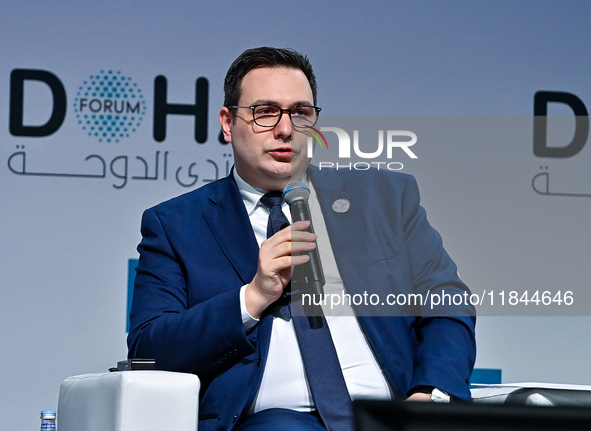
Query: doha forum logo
[109,106]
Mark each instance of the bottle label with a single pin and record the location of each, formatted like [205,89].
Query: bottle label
[47,426]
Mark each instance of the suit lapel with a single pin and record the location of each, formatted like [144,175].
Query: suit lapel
[344,229]
[346,236]
[228,220]
[231,227]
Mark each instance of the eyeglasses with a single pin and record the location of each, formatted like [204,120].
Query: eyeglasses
[270,115]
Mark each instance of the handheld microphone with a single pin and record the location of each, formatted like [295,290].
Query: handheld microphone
[296,194]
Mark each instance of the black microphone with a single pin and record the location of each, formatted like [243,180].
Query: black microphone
[296,194]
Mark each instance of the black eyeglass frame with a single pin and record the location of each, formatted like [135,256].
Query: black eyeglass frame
[281,111]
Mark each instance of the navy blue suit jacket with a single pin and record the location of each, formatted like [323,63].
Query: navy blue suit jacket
[198,250]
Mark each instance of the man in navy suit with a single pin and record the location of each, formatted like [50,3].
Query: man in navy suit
[209,279]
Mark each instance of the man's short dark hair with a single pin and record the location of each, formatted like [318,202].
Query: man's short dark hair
[264,57]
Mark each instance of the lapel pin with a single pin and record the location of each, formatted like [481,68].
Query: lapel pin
[341,205]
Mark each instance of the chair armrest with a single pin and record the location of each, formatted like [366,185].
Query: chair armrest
[129,401]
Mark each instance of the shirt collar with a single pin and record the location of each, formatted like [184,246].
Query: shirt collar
[251,195]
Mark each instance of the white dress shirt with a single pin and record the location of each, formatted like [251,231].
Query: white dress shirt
[284,383]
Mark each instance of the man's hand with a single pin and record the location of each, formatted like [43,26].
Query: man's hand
[418,396]
[277,256]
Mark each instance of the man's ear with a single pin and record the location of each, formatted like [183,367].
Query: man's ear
[225,118]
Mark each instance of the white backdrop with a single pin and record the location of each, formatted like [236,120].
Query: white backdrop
[67,238]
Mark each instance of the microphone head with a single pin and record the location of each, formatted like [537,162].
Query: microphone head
[296,190]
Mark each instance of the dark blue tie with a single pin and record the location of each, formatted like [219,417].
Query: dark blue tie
[320,359]
[277,220]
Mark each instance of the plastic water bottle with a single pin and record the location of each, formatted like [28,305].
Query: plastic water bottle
[48,420]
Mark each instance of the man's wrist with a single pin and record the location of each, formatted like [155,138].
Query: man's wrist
[439,396]
[436,394]
[247,319]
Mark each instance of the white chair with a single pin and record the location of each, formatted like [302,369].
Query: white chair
[533,393]
[129,401]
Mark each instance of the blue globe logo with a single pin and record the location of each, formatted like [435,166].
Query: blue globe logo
[109,106]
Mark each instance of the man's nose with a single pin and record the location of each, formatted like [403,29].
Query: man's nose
[284,128]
